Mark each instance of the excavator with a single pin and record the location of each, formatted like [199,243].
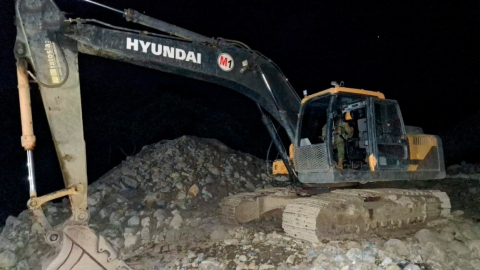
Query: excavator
[317,206]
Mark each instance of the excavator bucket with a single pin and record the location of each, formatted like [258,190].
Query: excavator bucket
[80,248]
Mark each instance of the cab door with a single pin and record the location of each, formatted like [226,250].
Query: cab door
[389,140]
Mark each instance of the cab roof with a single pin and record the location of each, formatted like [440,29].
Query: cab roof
[338,89]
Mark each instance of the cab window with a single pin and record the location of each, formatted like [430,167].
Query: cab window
[314,118]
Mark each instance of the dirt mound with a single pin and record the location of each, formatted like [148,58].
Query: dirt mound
[166,196]
[159,210]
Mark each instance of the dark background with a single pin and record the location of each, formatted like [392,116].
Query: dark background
[422,53]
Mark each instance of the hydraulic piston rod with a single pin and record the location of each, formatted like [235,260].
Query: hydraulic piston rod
[28,139]
[277,142]
[137,17]
[104,6]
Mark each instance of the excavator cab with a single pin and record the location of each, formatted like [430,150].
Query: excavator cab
[375,148]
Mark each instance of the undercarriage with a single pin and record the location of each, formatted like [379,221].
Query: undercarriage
[340,213]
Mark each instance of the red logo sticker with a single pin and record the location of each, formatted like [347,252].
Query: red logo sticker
[225,62]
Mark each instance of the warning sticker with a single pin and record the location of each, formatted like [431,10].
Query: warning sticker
[225,62]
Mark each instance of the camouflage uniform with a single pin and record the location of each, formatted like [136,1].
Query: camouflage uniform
[342,129]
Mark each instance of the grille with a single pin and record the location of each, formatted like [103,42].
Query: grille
[423,140]
[311,157]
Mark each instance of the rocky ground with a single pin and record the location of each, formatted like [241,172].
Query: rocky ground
[159,209]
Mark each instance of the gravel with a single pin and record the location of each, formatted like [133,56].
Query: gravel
[159,210]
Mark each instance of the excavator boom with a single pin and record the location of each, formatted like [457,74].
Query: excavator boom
[228,63]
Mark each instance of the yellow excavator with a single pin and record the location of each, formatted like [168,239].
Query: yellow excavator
[379,148]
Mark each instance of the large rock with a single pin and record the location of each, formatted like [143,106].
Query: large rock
[446,236]
[130,182]
[454,168]
[127,171]
[434,252]
[459,248]
[209,264]
[475,264]
[7,259]
[12,222]
[22,265]
[474,247]
[412,267]
[425,235]
[469,233]
[356,254]
[231,242]
[176,221]
[364,266]
[130,240]
[134,221]
[94,199]
[396,246]
[218,233]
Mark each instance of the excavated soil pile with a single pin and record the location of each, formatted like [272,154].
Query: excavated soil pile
[163,198]
[159,209]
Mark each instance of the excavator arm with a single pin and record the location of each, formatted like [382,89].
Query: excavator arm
[224,62]
[49,43]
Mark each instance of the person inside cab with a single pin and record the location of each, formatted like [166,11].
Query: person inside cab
[342,131]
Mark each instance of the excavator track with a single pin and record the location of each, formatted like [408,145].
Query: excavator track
[229,210]
[228,207]
[357,213]
[342,213]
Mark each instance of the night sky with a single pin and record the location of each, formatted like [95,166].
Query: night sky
[425,54]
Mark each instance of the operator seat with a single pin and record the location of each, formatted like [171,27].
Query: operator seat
[355,156]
